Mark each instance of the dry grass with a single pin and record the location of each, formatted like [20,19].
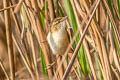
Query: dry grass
[95,38]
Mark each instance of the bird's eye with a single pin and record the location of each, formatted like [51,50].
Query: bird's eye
[57,22]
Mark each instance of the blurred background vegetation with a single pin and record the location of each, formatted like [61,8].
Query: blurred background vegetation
[25,53]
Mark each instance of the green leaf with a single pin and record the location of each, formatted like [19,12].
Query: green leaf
[118,4]
[115,36]
[81,53]
[44,69]
[60,11]
[83,60]
[110,6]
[115,40]
[70,13]
[98,66]
[43,13]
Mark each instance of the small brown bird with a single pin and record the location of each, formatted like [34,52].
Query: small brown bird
[58,38]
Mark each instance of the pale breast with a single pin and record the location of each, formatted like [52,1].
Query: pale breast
[58,42]
[51,43]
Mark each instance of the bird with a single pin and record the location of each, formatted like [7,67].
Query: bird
[58,37]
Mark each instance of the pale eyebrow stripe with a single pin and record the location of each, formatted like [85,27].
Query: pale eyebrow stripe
[60,20]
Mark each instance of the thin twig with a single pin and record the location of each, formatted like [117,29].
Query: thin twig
[51,9]
[86,45]
[33,53]
[21,48]
[69,47]
[116,33]
[21,51]
[6,8]
[24,68]
[79,44]
[9,39]
[114,50]
[112,21]
[3,68]
[17,8]
[42,37]
[99,42]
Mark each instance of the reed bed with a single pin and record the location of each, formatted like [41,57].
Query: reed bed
[94,37]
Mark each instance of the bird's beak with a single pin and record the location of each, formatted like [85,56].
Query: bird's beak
[64,18]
